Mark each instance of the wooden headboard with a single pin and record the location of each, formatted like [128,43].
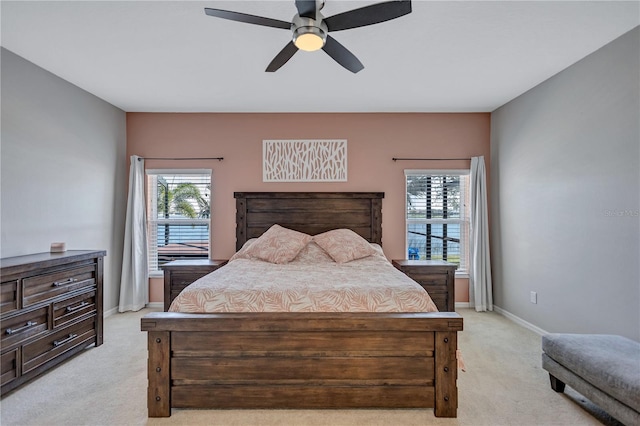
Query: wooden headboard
[308,212]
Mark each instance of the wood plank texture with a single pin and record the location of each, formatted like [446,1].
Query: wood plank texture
[297,396]
[159,374]
[309,343]
[302,321]
[51,309]
[303,359]
[250,369]
[446,374]
[308,212]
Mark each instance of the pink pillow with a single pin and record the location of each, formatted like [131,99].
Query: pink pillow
[312,253]
[344,245]
[278,245]
[242,253]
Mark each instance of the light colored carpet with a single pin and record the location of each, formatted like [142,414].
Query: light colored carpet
[504,385]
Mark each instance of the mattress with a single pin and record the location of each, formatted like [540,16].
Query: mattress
[311,282]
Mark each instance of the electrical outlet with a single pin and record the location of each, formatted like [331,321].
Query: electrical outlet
[534,297]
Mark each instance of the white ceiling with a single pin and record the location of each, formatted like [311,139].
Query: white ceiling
[450,56]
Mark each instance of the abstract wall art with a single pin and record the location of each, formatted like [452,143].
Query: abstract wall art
[304,160]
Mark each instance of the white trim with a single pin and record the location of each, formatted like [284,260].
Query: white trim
[458,305]
[110,312]
[152,305]
[155,305]
[520,321]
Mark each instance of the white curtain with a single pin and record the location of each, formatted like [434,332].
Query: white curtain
[134,285]
[480,291]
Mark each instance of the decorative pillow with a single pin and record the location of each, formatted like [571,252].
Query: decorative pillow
[278,245]
[242,253]
[312,253]
[378,251]
[344,245]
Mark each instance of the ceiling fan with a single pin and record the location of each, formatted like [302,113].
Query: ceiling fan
[310,28]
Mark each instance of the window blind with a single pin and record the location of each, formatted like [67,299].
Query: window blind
[179,212]
[437,215]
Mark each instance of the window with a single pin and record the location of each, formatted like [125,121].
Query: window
[437,216]
[178,215]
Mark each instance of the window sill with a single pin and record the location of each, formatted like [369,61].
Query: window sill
[462,275]
[156,274]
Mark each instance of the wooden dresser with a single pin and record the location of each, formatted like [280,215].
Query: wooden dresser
[50,310]
[180,273]
[435,276]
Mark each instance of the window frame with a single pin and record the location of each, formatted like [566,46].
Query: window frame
[153,222]
[464,221]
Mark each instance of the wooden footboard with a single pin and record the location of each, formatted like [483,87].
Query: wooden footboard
[302,360]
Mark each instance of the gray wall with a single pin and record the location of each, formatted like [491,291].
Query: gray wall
[565,174]
[63,168]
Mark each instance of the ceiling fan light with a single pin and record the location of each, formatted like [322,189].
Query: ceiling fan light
[309,39]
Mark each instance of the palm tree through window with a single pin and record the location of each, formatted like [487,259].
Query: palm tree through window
[179,213]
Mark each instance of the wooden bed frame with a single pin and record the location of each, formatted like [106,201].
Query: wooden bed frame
[303,360]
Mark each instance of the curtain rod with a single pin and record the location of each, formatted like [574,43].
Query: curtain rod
[181,158]
[428,159]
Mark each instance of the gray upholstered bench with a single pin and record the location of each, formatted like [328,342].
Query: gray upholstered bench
[604,368]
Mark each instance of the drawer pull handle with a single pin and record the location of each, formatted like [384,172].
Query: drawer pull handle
[75,308]
[59,283]
[57,343]
[11,331]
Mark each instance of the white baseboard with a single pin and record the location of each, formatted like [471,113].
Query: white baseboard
[110,312]
[152,305]
[520,321]
[461,305]
[155,305]
[458,305]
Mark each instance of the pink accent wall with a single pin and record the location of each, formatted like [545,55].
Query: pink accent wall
[373,140]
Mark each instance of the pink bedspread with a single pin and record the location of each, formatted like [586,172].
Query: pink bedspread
[312,282]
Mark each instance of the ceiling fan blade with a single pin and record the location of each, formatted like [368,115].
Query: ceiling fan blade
[306,8]
[368,15]
[249,19]
[281,58]
[341,55]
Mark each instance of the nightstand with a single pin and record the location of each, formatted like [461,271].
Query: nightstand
[180,273]
[435,276]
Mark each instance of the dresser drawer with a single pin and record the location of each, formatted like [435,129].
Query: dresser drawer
[178,274]
[70,309]
[426,279]
[54,344]
[8,366]
[437,277]
[180,280]
[8,296]
[51,310]
[174,294]
[46,286]
[440,297]
[25,325]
